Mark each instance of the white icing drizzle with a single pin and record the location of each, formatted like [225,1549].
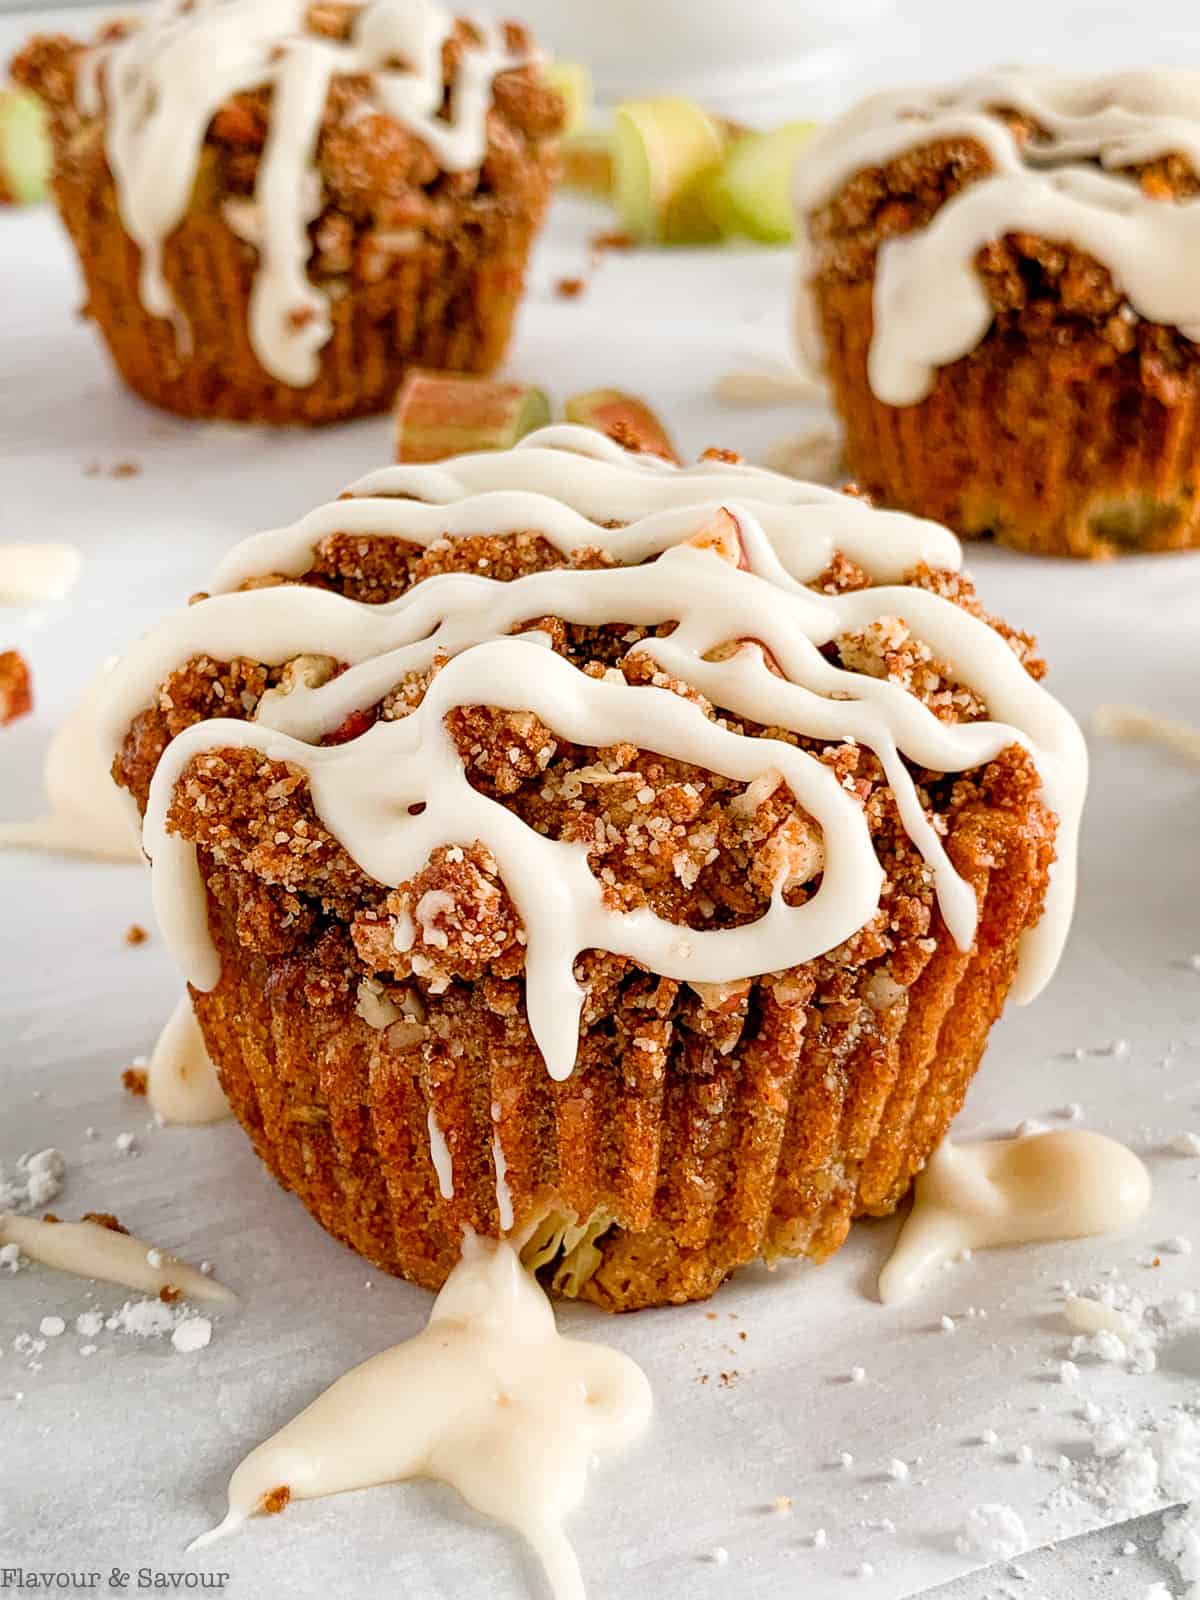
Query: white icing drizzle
[181,1081]
[161,85]
[768,386]
[88,814]
[565,482]
[504,1199]
[90,1250]
[1133,723]
[31,573]
[488,1398]
[930,307]
[1065,1185]
[443,1161]
[817,454]
[367,790]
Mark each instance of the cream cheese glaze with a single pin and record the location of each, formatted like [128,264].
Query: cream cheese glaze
[88,816]
[161,85]
[488,1398]
[1135,723]
[181,1082]
[399,790]
[90,1250]
[32,573]
[1064,1185]
[930,307]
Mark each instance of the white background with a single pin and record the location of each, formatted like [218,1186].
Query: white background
[122,1458]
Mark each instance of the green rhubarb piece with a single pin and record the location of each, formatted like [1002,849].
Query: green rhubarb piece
[574,83]
[24,147]
[751,192]
[664,152]
[440,414]
[624,418]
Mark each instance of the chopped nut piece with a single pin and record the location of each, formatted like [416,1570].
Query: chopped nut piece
[135,1080]
[16,689]
[275,1500]
[614,240]
[104,1219]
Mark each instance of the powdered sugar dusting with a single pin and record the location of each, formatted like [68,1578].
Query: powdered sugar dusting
[993,1531]
[34,1182]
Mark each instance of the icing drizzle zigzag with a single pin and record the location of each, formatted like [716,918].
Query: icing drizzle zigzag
[364,790]
[165,80]
[930,307]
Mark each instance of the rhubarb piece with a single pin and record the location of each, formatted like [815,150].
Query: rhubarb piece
[16,687]
[750,192]
[440,414]
[664,153]
[24,148]
[587,163]
[623,418]
[574,83]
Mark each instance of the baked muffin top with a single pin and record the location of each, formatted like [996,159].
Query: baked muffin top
[496,714]
[306,126]
[1029,198]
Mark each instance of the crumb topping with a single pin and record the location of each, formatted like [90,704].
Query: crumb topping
[1044,291]
[383,189]
[697,848]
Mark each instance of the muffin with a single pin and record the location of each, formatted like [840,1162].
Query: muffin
[626,858]
[1001,281]
[276,211]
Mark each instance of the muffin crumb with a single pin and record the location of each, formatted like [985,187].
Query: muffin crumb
[16,687]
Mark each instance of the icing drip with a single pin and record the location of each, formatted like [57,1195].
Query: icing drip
[1132,723]
[90,1250]
[930,307]
[767,386]
[504,1199]
[182,1083]
[31,573]
[163,82]
[443,1161]
[88,814]
[399,790]
[1066,1185]
[817,454]
[489,1398]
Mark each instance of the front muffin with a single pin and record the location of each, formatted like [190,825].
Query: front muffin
[1001,280]
[626,858]
[277,209]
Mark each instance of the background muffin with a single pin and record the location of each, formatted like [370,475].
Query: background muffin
[639,940]
[272,222]
[1001,280]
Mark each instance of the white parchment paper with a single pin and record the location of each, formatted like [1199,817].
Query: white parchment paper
[118,1459]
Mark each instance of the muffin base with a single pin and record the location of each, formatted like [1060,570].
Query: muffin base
[1050,449]
[446,304]
[825,1114]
